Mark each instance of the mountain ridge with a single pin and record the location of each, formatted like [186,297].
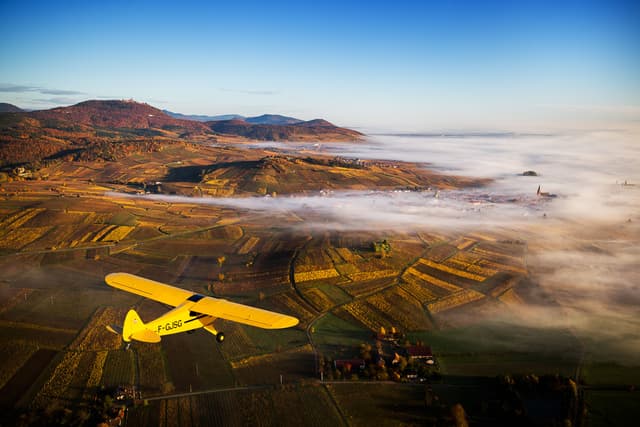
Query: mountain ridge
[112,129]
[317,129]
[272,119]
[203,117]
[264,119]
[5,107]
[116,114]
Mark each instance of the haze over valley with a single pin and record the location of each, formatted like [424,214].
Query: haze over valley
[575,240]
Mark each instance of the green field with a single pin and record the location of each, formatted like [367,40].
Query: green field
[612,408]
[187,367]
[266,341]
[496,336]
[492,349]
[337,338]
[387,404]
[495,364]
[610,373]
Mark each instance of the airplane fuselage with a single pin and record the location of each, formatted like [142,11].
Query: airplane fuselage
[180,319]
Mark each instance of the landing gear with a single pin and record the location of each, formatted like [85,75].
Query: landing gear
[212,330]
[126,347]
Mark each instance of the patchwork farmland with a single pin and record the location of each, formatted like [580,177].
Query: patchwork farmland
[54,305]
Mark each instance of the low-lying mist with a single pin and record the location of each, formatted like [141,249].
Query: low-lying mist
[585,170]
[582,240]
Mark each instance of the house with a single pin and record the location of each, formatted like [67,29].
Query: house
[422,353]
[392,335]
[126,392]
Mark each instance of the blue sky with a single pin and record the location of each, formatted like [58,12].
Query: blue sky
[402,65]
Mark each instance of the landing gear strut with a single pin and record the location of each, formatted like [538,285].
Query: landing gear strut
[212,330]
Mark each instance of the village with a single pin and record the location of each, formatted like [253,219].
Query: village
[386,359]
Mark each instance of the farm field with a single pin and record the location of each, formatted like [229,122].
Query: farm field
[289,405]
[336,338]
[505,363]
[442,289]
[188,370]
[612,408]
[388,404]
[610,373]
[497,335]
[24,376]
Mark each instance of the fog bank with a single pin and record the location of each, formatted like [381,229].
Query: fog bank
[582,244]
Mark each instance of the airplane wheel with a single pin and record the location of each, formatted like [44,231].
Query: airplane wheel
[220,336]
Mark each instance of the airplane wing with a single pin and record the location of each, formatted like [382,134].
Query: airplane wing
[148,288]
[246,314]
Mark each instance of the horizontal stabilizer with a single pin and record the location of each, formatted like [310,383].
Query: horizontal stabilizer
[114,329]
[146,335]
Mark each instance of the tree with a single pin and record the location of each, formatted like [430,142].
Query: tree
[382,374]
[382,248]
[459,416]
[573,387]
[428,397]
[168,387]
[365,351]
[402,363]
[379,347]
[107,402]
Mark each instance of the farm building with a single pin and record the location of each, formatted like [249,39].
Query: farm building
[392,335]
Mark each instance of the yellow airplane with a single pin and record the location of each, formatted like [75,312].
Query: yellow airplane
[192,311]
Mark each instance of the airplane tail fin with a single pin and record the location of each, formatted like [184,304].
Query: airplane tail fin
[135,329]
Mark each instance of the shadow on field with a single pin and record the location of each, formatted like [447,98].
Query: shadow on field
[195,173]
[18,385]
